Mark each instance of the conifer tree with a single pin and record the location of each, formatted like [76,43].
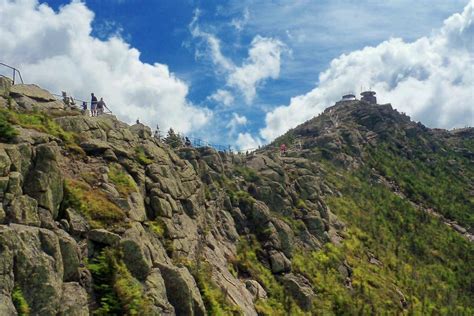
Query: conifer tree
[173,139]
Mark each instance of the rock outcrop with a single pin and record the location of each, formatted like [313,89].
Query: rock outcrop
[97,211]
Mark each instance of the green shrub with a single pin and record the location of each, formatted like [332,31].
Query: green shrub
[246,264]
[123,182]
[19,301]
[7,131]
[92,203]
[118,292]
[158,227]
[242,198]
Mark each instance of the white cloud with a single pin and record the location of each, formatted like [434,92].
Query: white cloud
[56,51]
[263,62]
[222,96]
[239,23]
[212,41]
[245,141]
[431,79]
[235,122]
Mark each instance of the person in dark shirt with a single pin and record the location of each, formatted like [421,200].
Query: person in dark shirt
[93,105]
[187,142]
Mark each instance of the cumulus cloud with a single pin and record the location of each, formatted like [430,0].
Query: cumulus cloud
[223,97]
[263,62]
[235,122]
[57,51]
[431,79]
[245,141]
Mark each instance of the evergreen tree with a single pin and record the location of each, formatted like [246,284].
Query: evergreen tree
[173,139]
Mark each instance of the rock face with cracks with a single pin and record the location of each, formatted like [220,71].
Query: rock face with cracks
[99,216]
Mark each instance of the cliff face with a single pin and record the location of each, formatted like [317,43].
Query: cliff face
[100,217]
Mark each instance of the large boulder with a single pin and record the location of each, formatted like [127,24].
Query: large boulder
[45,181]
[94,146]
[6,305]
[257,291]
[24,210]
[140,251]
[14,183]
[155,291]
[5,162]
[300,288]
[315,225]
[5,85]
[279,262]
[78,225]
[182,290]
[38,268]
[20,157]
[74,300]
[137,210]
[103,236]
[32,91]
[141,130]
[31,104]
[8,240]
[70,253]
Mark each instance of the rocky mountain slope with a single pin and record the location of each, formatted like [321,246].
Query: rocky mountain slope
[367,213]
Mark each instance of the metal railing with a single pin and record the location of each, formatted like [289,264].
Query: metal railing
[14,72]
[181,141]
[79,103]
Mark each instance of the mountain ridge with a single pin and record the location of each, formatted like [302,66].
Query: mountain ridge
[99,217]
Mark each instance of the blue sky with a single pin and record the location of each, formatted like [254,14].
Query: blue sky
[303,37]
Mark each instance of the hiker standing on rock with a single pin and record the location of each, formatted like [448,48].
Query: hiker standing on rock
[100,106]
[93,105]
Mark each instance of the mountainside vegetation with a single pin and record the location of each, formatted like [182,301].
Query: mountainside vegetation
[366,213]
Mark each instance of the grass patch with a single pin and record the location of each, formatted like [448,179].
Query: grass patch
[20,303]
[141,156]
[123,182]
[118,292]
[300,204]
[158,227]
[249,174]
[241,198]
[41,122]
[92,203]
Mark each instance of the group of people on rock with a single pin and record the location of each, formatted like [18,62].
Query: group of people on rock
[97,107]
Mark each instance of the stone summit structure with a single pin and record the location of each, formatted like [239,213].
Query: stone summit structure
[369,97]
